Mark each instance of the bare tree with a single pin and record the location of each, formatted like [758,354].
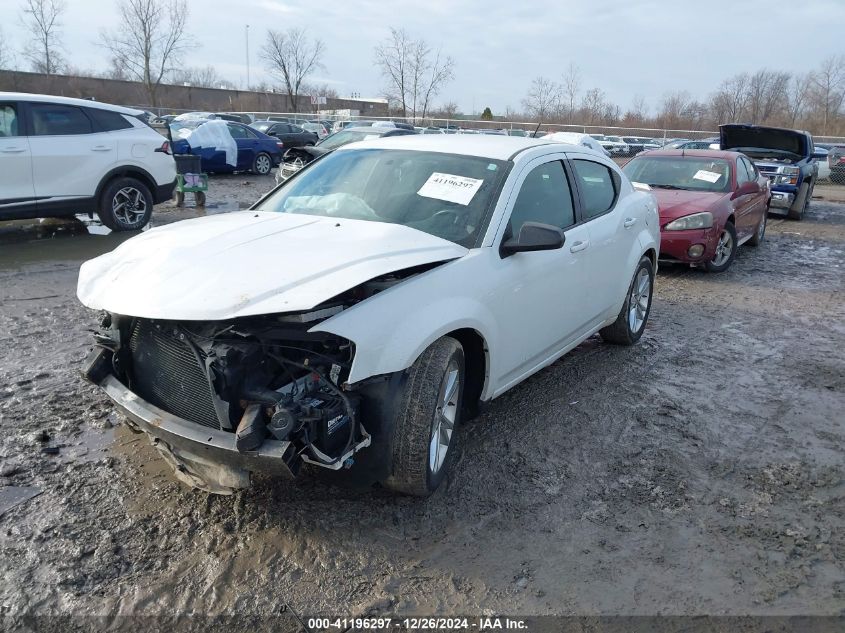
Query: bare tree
[828,89]
[5,57]
[766,89]
[393,57]
[543,99]
[571,87]
[291,56]
[593,106]
[799,88]
[413,77]
[440,71]
[42,18]
[673,109]
[638,112]
[149,40]
[729,103]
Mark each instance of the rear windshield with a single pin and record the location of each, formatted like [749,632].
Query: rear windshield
[445,195]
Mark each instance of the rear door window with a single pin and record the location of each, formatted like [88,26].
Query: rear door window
[107,120]
[52,119]
[597,186]
[237,131]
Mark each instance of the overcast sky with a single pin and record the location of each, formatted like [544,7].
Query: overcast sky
[624,47]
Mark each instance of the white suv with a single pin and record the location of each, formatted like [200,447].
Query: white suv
[61,156]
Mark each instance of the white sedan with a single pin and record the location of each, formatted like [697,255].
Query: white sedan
[359,312]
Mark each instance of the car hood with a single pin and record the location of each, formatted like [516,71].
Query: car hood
[248,263]
[673,204]
[763,138]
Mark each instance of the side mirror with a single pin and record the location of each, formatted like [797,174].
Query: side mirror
[819,156]
[533,236]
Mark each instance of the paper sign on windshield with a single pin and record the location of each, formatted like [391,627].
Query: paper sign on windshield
[457,189]
[709,176]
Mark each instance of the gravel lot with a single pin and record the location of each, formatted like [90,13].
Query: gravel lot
[700,472]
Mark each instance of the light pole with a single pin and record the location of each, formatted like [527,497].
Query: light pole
[247,56]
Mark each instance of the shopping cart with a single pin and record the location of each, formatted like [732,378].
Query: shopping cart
[189,178]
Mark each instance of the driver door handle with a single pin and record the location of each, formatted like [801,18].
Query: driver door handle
[13,150]
[629,222]
[580,245]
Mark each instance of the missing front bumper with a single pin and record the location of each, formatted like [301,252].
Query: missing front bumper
[199,443]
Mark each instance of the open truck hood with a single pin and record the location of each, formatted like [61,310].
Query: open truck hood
[249,263]
[740,137]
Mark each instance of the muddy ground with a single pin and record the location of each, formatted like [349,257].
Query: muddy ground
[700,472]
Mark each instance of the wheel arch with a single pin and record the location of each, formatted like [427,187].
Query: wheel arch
[477,366]
[125,171]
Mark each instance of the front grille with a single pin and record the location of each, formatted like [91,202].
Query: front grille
[167,373]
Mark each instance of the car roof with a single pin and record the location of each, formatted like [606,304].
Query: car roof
[576,136]
[497,147]
[694,153]
[83,103]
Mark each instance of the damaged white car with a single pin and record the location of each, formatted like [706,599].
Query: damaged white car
[358,313]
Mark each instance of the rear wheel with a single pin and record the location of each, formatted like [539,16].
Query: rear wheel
[725,250]
[425,430]
[126,204]
[262,164]
[630,324]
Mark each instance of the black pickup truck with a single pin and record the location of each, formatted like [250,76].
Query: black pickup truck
[786,157]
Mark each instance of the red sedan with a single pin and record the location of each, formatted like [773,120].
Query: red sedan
[711,202]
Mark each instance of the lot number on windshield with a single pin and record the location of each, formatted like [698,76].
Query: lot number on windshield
[451,188]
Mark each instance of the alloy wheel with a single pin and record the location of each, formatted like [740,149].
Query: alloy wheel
[263,165]
[638,301]
[445,416]
[724,249]
[129,205]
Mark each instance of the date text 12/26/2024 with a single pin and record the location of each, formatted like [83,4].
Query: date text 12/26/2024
[419,624]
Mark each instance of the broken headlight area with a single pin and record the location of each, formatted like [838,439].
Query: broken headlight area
[259,378]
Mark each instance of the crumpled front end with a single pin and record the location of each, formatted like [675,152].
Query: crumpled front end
[223,399]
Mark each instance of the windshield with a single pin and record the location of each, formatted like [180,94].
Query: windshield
[347,136]
[263,126]
[681,172]
[445,195]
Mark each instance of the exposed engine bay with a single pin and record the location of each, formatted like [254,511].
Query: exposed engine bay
[260,378]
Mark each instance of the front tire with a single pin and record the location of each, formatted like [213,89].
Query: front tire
[760,233]
[630,324]
[126,204]
[424,437]
[262,164]
[802,201]
[725,250]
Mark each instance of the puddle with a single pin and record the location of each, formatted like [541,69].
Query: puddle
[10,496]
[51,240]
[92,444]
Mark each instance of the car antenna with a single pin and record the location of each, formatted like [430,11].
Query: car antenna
[537,129]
